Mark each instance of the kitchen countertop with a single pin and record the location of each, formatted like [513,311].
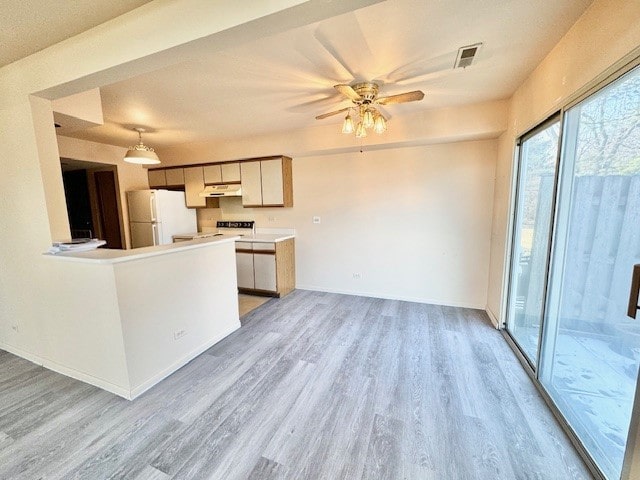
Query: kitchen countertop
[265,237]
[110,256]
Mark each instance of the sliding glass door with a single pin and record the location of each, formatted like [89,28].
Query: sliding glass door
[591,349]
[538,158]
[578,296]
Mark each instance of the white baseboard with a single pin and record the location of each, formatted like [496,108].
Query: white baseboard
[22,353]
[124,392]
[432,301]
[147,384]
[493,317]
[68,372]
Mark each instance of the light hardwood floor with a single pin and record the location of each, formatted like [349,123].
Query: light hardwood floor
[247,303]
[314,386]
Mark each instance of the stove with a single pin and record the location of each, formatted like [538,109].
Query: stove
[237,227]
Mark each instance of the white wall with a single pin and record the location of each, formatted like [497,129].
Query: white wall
[415,222]
[192,290]
[411,215]
[605,33]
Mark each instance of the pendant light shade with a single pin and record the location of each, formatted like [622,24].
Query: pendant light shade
[347,125]
[380,124]
[367,119]
[140,153]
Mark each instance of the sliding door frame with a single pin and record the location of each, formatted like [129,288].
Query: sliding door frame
[555,117]
[617,70]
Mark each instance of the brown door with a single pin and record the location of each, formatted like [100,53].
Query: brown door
[109,218]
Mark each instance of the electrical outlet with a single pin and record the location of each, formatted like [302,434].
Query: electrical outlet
[272,219]
[179,334]
[15,328]
[357,276]
[316,219]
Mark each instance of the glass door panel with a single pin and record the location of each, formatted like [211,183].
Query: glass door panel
[591,349]
[531,236]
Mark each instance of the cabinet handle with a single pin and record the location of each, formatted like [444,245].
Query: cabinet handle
[635,292]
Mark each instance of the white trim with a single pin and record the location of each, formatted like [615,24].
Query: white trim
[22,353]
[430,301]
[151,382]
[69,372]
[124,392]
[493,317]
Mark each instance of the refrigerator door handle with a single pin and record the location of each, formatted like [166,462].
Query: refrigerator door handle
[156,240]
[152,206]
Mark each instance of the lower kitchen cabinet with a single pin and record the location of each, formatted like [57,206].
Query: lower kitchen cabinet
[244,266]
[266,268]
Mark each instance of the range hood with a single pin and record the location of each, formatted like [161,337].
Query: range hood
[230,190]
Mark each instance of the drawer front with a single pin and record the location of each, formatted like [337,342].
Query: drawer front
[244,246]
[260,246]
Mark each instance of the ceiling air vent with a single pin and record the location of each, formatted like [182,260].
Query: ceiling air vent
[466,55]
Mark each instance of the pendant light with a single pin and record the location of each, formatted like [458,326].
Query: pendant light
[140,153]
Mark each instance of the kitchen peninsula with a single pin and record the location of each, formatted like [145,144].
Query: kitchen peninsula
[156,309]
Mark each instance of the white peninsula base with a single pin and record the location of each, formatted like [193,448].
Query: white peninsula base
[124,320]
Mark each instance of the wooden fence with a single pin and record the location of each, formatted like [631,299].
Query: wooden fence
[603,245]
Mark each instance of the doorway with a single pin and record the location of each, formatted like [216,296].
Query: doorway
[92,195]
[576,239]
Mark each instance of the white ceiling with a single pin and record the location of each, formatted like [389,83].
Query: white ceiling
[28,26]
[280,83]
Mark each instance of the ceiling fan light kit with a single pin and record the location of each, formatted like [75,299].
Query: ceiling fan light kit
[364,96]
[141,154]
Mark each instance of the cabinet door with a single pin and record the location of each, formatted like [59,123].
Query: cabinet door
[193,185]
[244,267]
[272,182]
[175,176]
[251,184]
[264,266]
[157,178]
[230,172]
[212,174]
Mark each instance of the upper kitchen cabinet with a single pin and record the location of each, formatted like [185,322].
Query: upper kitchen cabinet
[267,183]
[212,174]
[251,184]
[175,177]
[193,185]
[230,172]
[157,178]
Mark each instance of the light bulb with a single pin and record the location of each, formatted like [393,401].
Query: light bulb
[380,124]
[347,125]
[361,132]
[367,120]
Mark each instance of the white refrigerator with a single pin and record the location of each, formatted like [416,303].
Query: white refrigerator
[156,215]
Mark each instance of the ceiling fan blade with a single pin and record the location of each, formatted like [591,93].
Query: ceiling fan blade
[325,115]
[342,37]
[421,70]
[324,102]
[348,92]
[401,98]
